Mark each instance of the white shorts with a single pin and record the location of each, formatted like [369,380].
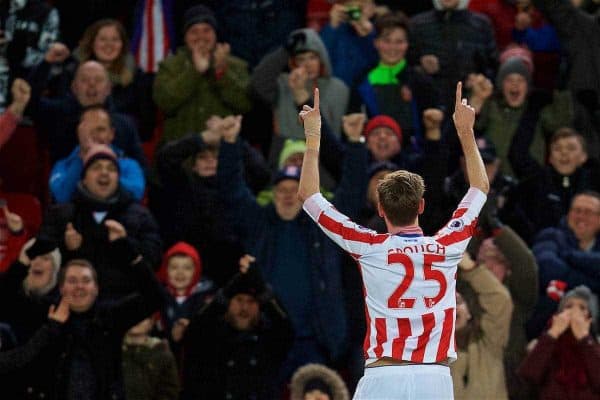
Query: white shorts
[407,382]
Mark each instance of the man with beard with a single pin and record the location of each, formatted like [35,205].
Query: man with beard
[235,345]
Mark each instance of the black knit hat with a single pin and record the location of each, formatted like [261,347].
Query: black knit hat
[41,246]
[250,283]
[198,14]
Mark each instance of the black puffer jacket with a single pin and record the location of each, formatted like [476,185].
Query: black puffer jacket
[142,233]
[95,335]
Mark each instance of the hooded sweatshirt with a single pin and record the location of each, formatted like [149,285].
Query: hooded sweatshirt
[334,94]
[177,307]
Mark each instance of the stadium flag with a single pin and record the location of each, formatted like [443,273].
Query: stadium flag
[153,34]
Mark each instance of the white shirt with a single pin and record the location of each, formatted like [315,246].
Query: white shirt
[409,280]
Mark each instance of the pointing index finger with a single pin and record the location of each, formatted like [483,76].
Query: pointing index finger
[458,93]
[316,99]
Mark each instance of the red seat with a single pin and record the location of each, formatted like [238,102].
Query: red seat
[27,207]
[24,164]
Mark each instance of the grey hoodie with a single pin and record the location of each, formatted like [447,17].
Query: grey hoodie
[462,4]
[334,94]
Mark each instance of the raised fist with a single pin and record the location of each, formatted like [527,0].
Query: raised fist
[220,55]
[115,230]
[13,221]
[481,87]
[57,53]
[21,92]
[353,125]
[432,118]
[73,239]
[231,127]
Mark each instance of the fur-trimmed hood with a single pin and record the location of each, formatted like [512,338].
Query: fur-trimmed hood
[462,4]
[311,371]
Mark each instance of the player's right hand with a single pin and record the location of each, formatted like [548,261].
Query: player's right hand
[311,117]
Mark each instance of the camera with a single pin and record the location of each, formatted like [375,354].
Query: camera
[353,12]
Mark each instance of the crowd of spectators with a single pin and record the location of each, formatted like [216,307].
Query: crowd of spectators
[173,259]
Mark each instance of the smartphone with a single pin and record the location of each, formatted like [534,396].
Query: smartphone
[2,203]
[354,13]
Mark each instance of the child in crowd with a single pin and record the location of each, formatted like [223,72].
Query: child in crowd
[185,293]
[317,382]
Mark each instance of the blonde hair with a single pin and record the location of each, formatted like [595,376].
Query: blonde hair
[118,69]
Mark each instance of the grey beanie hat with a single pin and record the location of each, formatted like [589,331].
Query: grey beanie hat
[513,65]
[584,293]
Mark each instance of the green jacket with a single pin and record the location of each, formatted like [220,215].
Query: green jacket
[189,98]
[150,371]
[499,123]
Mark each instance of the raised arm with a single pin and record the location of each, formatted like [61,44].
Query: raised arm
[464,119]
[309,179]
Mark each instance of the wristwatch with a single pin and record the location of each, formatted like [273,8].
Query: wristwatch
[361,139]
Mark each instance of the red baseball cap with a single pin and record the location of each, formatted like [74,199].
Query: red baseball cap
[383,121]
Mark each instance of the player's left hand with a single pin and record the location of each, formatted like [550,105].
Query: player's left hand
[311,117]
[464,114]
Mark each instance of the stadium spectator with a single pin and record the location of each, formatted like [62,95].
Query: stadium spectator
[29,286]
[57,118]
[348,37]
[501,187]
[544,197]
[149,368]
[12,359]
[202,79]
[564,360]
[483,315]
[84,357]
[187,204]
[254,31]
[301,265]
[101,211]
[106,41]
[185,292]
[579,33]
[29,27]
[500,115]
[568,255]
[317,382]
[393,87]
[512,262]
[451,42]
[10,118]
[309,66]
[235,345]
[95,127]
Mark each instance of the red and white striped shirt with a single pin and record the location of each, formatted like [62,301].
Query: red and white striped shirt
[409,280]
